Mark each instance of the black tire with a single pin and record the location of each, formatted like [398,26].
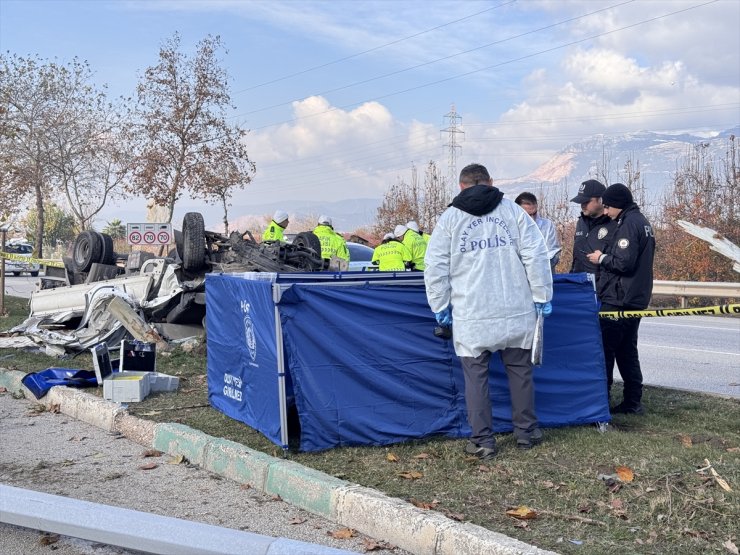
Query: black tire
[109,256]
[16,273]
[193,253]
[88,248]
[34,274]
[308,239]
[179,247]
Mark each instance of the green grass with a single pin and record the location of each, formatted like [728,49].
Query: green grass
[668,507]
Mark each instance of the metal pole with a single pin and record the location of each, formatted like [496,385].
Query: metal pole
[2,272]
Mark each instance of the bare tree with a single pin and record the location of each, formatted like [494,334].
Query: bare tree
[58,138]
[30,94]
[411,201]
[705,192]
[182,141]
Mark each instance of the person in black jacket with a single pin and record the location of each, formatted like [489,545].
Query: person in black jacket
[594,229]
[625,283]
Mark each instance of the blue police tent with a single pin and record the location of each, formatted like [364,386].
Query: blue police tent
[355,355]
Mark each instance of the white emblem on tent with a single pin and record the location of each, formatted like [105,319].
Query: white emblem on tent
[250,337]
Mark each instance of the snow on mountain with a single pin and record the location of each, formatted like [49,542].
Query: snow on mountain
[657,156]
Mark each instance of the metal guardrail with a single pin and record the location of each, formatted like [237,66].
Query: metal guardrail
[725,289]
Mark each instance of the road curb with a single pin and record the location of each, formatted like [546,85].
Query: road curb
[363,509]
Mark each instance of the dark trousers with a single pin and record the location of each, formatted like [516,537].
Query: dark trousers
[620,345]
[478,400]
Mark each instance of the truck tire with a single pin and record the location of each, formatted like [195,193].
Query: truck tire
[308,239]
[193,253]
[88,248]
[108,256]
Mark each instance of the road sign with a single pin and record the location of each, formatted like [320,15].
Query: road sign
[149,234]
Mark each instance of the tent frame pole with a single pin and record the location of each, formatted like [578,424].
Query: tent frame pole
[282,394]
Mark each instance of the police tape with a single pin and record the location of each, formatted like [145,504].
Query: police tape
[29,260]
[701,311]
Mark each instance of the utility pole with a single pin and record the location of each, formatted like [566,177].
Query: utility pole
[453,121]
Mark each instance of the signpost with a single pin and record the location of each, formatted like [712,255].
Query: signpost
[149,234]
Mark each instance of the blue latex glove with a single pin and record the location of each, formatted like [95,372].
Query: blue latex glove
[544,308]
[444,317]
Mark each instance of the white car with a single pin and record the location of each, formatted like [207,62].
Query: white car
[17,267]
[360,258]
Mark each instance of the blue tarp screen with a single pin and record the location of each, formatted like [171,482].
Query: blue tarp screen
[366,368]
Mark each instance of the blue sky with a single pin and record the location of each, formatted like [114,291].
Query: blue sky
[341,97]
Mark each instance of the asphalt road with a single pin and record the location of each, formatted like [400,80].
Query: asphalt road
[697,353]
[56,454]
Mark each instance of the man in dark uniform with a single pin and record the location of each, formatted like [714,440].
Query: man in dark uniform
[594,229]
[625,283]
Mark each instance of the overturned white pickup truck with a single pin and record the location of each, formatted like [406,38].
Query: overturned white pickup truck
[69,311]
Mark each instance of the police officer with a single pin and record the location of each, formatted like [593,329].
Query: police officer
[413,226]
[274,231]
[391,255]
[414,243]
[332,244]
[625,283]
[594,229]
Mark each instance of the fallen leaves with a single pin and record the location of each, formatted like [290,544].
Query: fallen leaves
[3,390]
[49,539]
[373,545]
[721,482]
[522,512]
[391,457]
[151,453]
[625,474]
[730,547]
[342,533]
[148,466]
[411,475]
[424,504]
[177,459]
[297,520]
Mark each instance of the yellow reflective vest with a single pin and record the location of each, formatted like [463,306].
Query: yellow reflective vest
[417,247]
[391,256]
[273,232]
[332,244]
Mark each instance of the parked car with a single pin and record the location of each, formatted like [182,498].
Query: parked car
[360,258]
[17,267]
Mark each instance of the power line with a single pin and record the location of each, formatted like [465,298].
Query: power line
[500,64]
[351,56]
[444,58]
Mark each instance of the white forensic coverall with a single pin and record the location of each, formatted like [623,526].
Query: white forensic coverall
[492,269]
[488,259]
[552,241]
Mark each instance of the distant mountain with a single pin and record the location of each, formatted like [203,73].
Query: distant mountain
[657,154]
[346,215]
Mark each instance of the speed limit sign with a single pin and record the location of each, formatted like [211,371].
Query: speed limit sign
[149,234]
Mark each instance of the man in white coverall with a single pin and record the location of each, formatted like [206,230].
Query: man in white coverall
[487,274]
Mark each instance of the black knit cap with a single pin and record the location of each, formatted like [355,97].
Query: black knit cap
[617,196]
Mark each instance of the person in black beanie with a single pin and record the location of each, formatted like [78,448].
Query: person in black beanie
[625,283]
[594,229]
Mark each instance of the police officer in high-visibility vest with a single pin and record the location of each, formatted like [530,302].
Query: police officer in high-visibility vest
[391,255]
[274,231]
[413,226]
[332,244]
[413,241]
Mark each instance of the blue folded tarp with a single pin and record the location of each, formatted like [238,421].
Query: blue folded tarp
[39,383]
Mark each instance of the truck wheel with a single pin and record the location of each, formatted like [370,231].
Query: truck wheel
[108,256]
[88,248]
[308,239]
[34,274]
[193,253]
